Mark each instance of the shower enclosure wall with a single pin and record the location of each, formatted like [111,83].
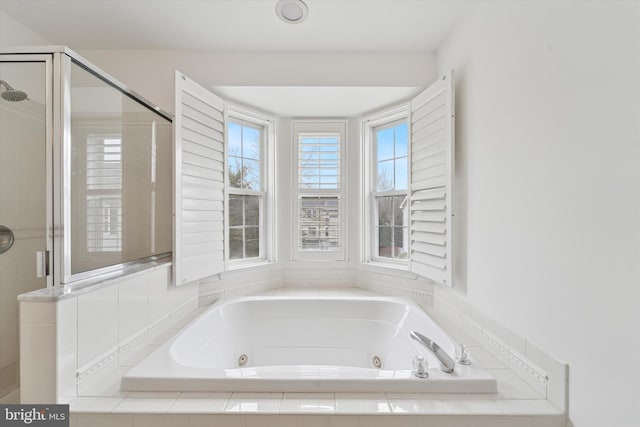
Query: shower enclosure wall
[85,182]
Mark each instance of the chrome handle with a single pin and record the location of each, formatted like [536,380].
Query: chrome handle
[464,355]
[6,239]
[42,264]
[420,367]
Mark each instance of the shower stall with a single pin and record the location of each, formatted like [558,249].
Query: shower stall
[85,182]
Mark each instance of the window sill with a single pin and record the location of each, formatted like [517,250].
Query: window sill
[244,265]
[392,269]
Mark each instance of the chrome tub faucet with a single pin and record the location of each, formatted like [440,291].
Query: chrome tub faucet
[447,364]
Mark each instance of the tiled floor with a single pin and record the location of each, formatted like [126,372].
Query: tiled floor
[516,403]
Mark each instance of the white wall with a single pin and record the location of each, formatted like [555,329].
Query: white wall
[151,72]
[13,33]
[548,208]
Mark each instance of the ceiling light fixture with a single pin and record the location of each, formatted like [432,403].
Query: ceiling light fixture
[292,11]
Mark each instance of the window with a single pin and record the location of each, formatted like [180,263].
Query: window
[319,188]
[248,137]
[386,204]
[407,183]
[391,210]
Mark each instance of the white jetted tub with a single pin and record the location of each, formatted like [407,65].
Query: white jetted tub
[304,344]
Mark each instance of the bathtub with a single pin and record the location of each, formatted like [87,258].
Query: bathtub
[304,344]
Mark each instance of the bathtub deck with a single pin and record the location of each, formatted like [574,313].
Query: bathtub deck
[515,405]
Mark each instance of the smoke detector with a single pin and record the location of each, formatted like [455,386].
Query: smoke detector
[292,11]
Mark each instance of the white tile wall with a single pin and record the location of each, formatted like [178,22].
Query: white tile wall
[133,307]
[95,404]
[97,334]
[197,403]
[161,297]
[407,403]
[511,386]
[351,403]
[544,374]
[240,282]
[315,403]
[312,276]
[470,404]
[37,352]
[557,392]
[103,380]
[97,324]
[66,348]
[259,403]
[144,405]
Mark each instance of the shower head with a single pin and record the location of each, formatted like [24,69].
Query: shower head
[11,94]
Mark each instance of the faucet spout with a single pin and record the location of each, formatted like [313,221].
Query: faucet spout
[447,364]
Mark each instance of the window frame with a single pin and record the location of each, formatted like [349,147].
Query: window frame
[266,193]
[369,246]
[301,128]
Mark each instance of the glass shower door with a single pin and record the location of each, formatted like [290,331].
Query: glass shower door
[24,96]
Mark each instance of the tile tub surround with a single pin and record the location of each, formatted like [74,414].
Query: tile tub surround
[516,403]
[491,343]
[78,343]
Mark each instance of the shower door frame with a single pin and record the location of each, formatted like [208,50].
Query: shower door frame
[50,87]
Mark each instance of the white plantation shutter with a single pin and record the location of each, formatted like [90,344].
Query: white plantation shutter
[432,154]
[199,170]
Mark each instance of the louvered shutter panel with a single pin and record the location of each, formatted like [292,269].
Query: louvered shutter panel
[199,170]
[432,154]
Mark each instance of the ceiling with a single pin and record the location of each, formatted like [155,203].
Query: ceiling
[316,101]
[240,25]
[363,26]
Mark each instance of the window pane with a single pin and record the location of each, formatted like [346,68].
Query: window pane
[235,211]
[244,156]
[310,181]
[402,176]
[400,238]
[251,170]
[392,226]
[319,223]
[252,244]
[328,140]
[384,140]
[235,139]
[250,143]
[251,210]
[245,163]
[235,172]
[384,242]
[402,139]
[236,244]
[400,211]
[385,176]
[319,162]
[385,210]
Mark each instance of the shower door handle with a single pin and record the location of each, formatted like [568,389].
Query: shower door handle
[42,264]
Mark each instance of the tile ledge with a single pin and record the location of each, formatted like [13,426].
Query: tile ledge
[59,293]
[504,410]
